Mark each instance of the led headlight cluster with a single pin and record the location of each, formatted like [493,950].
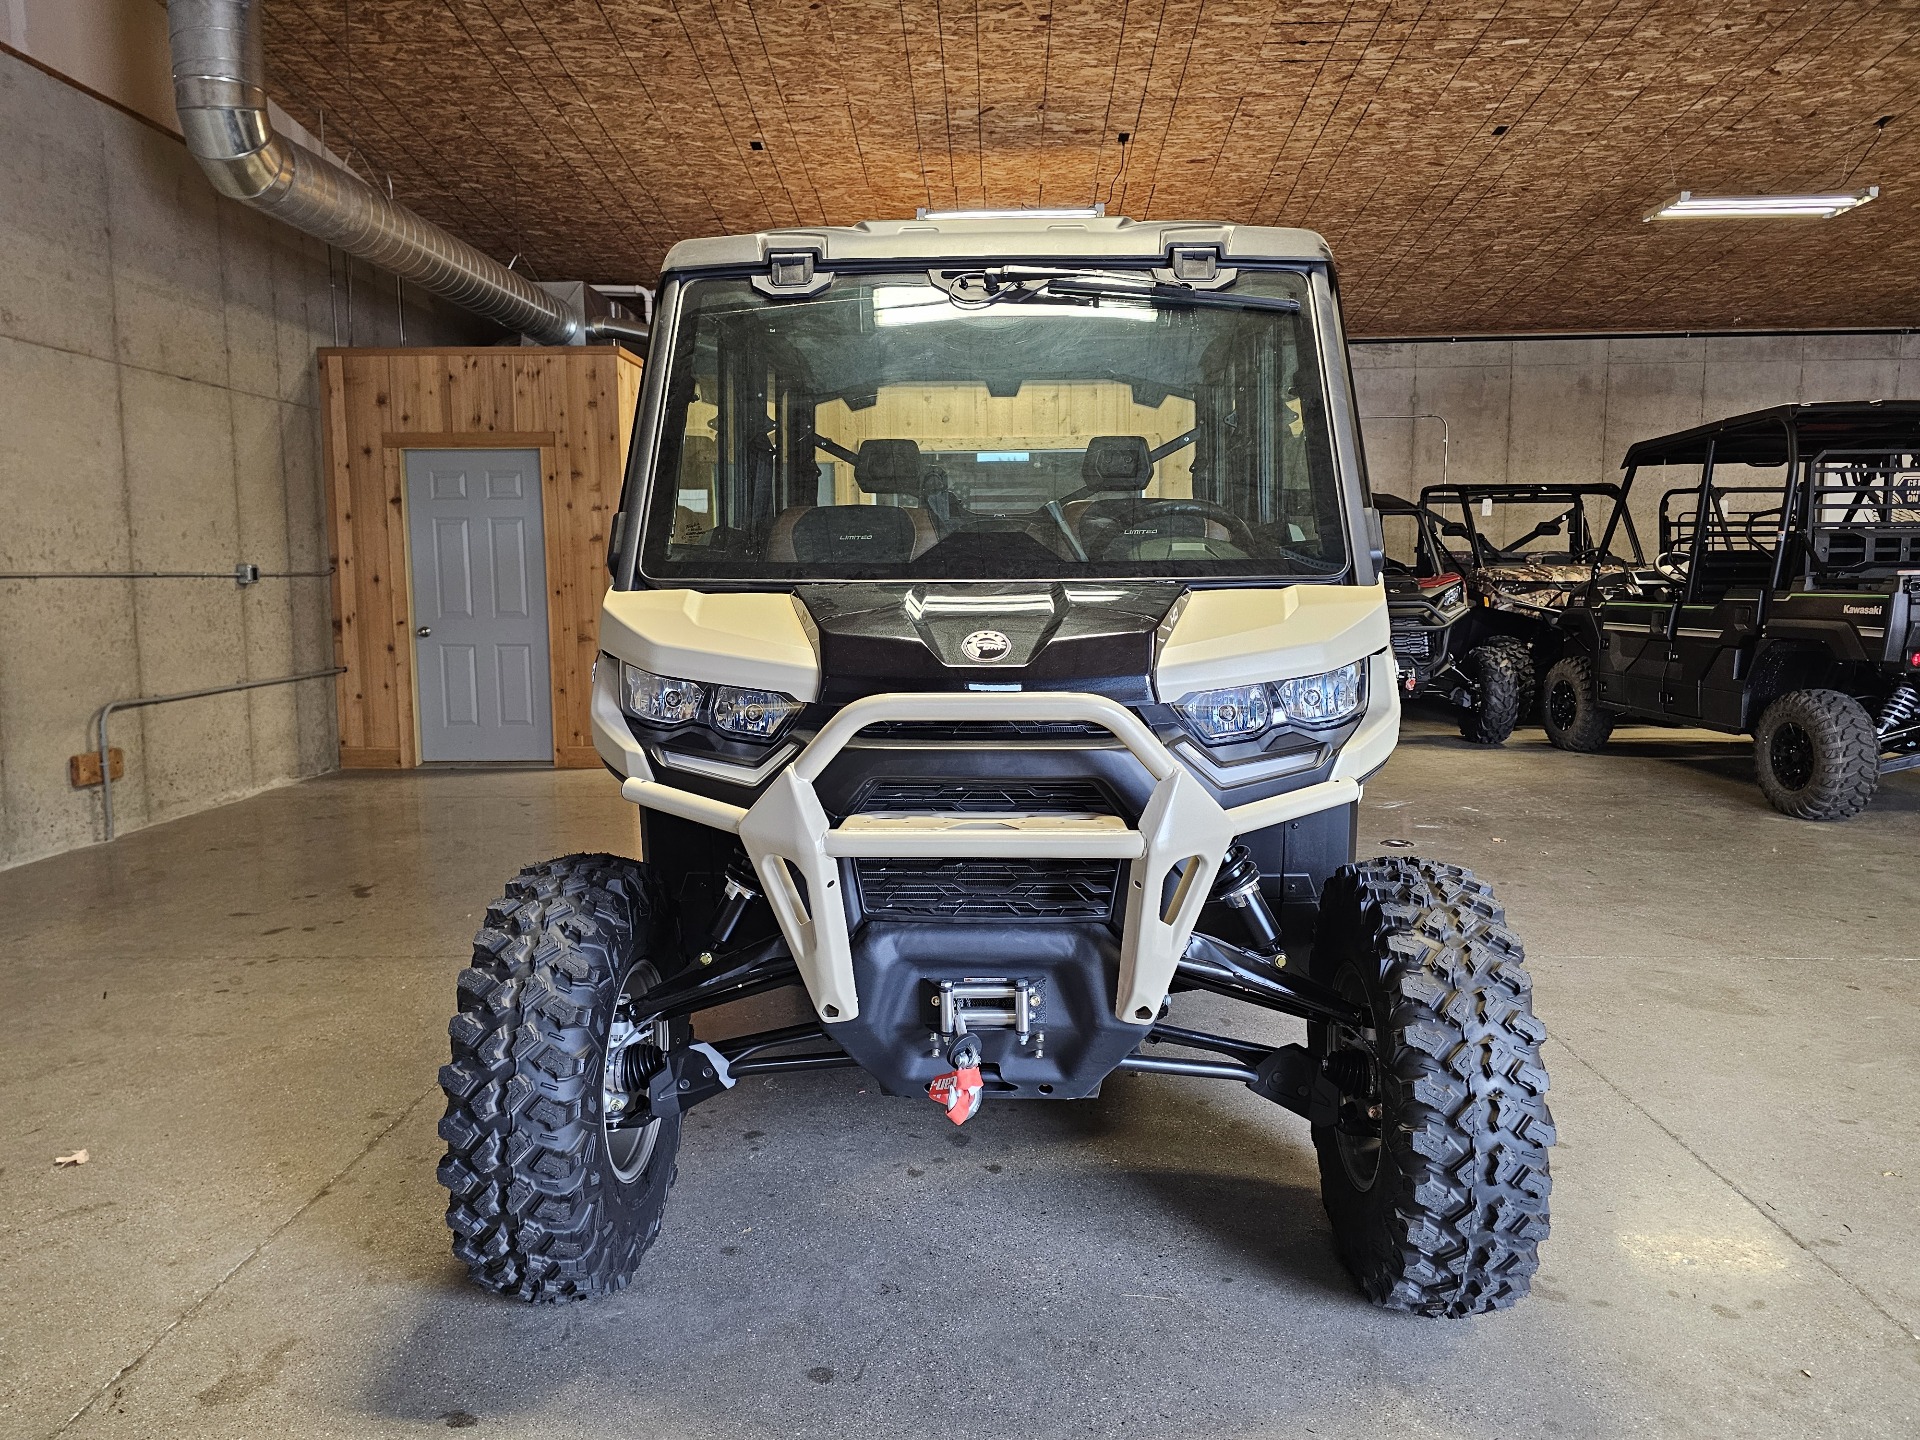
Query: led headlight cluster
[663,700]
[1243,712]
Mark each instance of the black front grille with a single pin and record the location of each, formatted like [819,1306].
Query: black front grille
[914,796]
[973,731]
[988,889]
[1410,643]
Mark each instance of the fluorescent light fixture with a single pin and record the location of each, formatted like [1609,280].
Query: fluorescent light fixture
[1689,206]
[919,304]
[1081,212]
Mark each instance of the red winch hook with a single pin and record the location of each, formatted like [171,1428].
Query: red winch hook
[958,1091]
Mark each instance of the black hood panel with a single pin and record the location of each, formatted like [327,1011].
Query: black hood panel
[1032,636]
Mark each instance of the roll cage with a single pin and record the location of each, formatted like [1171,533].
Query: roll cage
[1430,557]
[1572,520]
[1848,504]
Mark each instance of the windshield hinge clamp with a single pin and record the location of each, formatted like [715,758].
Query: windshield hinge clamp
[792,273]
[1196,266]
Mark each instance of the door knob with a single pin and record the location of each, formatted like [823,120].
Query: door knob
[424,631]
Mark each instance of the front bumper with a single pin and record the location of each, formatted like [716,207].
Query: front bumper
[796,848]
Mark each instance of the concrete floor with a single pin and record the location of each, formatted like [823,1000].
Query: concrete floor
[240,1015]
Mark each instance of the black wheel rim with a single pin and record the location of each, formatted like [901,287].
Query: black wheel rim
[1353,1060]
[1563,703]
[630,1056]
[1790,752]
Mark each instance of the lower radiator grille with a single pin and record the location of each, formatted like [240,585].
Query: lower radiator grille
[916,795]
[978,731]
[988,889]
[1410,643]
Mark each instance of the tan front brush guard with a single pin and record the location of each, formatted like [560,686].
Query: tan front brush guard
[787,832]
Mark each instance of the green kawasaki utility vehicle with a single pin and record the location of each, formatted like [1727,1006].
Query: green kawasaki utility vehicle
[1785,603]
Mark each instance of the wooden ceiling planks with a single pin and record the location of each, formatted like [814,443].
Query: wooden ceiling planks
[1479,166]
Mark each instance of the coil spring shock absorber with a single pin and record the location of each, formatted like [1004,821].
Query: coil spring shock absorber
[1901,710]
[740,891]
[1239,886]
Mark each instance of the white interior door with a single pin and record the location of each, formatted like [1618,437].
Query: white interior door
[479,604]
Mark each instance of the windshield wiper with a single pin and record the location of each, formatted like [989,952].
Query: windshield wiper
[1000,284]
[1172,292]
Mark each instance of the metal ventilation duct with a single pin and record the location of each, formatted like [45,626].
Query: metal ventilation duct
[219,76]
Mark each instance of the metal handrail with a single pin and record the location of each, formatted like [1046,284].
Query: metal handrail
[136,702]
[242,574]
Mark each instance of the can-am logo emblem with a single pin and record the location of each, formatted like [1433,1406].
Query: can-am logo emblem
[983,647]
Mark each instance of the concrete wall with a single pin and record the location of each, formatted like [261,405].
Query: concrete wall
[158,405]
[1566,410]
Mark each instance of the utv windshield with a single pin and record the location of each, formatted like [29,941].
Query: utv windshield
[995,424]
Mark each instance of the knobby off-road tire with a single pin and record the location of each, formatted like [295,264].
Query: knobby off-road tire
[1523,664]
[1498,691]
[1571,709]
[1443,1213]
[537,1206]
[1817,755]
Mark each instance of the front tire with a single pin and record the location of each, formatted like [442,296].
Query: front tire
[1436,1182]
[1499,689]
[1522,658]
[547,1200]
[1572,713]
[1817,755]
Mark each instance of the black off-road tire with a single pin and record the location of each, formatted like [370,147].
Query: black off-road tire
[1571,709]
[1529,674]
[1497,687]
[1449,1218]
[1817,755]
[537,1210]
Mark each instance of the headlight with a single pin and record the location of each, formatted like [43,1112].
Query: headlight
[1242,712]
[1327,699]
[660,698]
[757,714]
[1449,597]
[664,700]
[1218,716]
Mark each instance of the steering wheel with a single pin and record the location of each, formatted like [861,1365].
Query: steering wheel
[1673,565]
[1239,533]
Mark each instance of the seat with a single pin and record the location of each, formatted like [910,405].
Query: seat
[1116,463]
[850,535]
[889,467]
[1122,464]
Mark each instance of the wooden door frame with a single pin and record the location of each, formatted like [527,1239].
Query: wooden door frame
[573,404]
[393,463]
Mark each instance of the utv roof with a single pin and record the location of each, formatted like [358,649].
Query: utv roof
[1012,235]
[1760,436]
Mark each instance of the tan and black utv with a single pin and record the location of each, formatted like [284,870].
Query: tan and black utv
[996,648]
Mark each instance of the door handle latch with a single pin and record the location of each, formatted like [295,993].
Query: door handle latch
[424,631]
